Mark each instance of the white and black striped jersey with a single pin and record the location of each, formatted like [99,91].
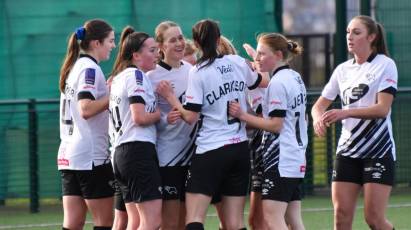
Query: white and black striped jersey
[83,142]
[358,86]
[175,142]
[128,87]
[285,97]
[209,91]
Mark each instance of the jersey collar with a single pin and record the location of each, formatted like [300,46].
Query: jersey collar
[89,56]
[167,66]
[280,68]
[132,66]
[369,59]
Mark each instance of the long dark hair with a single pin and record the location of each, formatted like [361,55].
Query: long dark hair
[379,44]
[95,29]
[206,33]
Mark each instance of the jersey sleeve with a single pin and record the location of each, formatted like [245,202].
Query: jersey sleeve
[253,79]
[389,78]
[277,99]
[331,89]
[136,87]
[87,85]
[194,93]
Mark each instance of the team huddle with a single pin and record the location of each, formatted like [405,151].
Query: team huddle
[179,125]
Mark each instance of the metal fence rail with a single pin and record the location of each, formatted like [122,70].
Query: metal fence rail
[29,139]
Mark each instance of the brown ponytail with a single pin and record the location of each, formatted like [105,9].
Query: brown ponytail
[95,29]
[380,41]
[119,65]
[379,44]
[130,42]
[73,50]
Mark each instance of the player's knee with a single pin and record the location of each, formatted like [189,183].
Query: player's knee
[373,218]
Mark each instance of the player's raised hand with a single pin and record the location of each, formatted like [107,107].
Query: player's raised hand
[250,50]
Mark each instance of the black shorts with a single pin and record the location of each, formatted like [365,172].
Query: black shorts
[275,187]
[361,171]
[89,184]
[174,182]
[256,161]
[217,198]
[118,198]
[222,171]
[136,171]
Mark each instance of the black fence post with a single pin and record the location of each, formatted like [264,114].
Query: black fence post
[33,157]
[365,7]
[309,172]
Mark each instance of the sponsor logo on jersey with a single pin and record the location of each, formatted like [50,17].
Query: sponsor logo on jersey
[89,87]
[391,81]
[235,140]
[352,95]
[63,161]
[302,168]
[139,90]
[225,69]
[90,76]
[139,77]
[275,102]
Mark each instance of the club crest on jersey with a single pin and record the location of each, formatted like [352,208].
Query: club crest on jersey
[90,76]
[139,77]
[351,95]
[370,77]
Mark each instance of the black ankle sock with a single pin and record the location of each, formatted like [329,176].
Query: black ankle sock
[63,228]
[195,226]
[102,228]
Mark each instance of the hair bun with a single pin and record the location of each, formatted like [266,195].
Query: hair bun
[291,45]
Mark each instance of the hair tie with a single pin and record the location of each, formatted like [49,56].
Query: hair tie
[80,33]
[291,45]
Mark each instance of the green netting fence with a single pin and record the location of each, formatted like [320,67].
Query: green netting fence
[29,139]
